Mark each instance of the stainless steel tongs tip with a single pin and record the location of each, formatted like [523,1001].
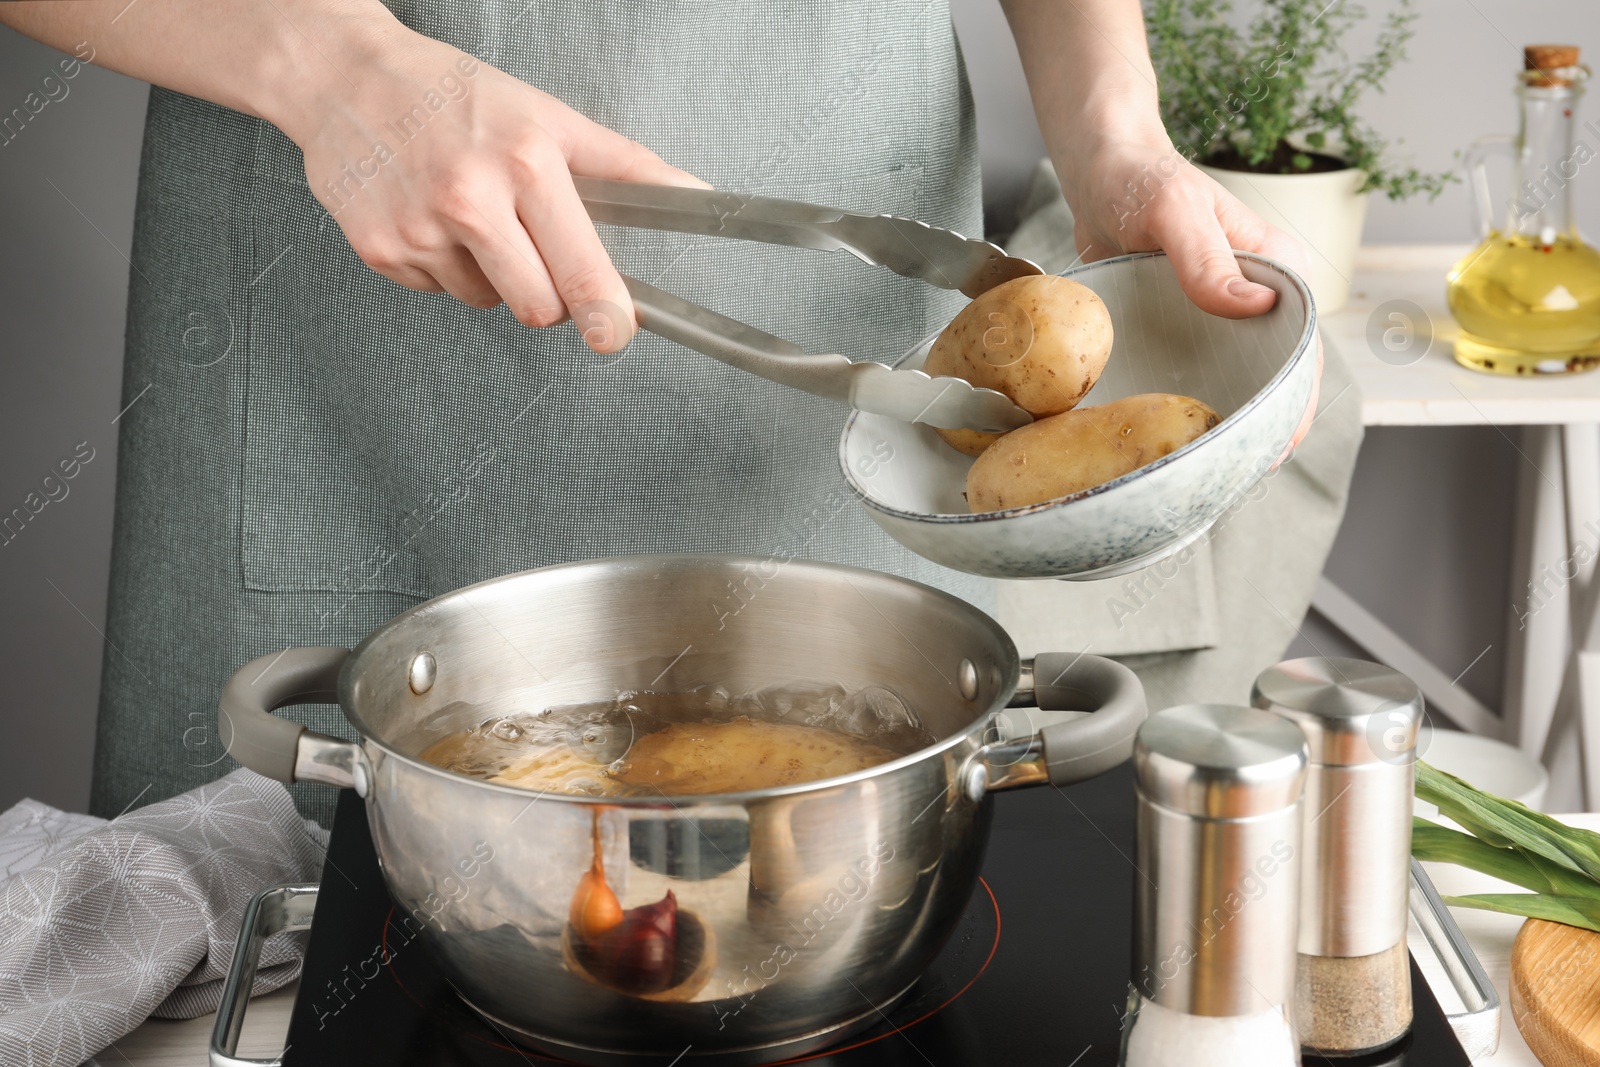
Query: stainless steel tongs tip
[909,247]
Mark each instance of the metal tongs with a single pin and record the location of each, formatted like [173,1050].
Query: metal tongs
[907,247]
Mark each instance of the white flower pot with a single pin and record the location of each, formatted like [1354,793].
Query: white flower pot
[1323,211]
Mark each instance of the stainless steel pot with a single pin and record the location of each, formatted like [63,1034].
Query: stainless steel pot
[804,911]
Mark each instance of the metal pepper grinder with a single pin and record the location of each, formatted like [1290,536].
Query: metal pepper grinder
[1360,720]
[1218,837]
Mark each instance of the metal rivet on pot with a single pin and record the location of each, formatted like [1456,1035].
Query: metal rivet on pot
[424,669]
[975,781]
[967,679]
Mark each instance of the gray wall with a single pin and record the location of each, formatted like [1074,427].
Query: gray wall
[1425,543]
[66,215]
[1455,88]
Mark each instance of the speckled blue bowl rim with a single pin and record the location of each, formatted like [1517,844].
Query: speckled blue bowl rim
[1301,349]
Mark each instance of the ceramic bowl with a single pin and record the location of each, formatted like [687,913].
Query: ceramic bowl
[1258,373]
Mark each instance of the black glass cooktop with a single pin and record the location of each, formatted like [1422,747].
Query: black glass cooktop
[1036,972]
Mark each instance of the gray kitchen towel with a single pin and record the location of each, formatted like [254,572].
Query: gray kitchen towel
[103,924]
[31,832]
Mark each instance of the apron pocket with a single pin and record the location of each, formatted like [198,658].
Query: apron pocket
[370,410]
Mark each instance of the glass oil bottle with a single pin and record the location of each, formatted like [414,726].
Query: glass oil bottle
[1527,298]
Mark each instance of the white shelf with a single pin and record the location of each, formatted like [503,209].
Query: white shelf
[1435,390]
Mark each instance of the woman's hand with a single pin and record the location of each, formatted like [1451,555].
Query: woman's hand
[1142,195]
[1094,90]
[448,175]
[1088,68]
[445,173]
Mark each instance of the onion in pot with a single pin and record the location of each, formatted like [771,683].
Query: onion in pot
[594,908]
[640,954]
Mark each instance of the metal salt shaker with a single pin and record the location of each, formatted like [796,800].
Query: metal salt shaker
[1360,720]
[1218,845]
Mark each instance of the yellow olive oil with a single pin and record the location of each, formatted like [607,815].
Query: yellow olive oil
[1527,307]
[1527,298]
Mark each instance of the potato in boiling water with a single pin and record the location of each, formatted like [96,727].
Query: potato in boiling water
[694,759]
[1041,340]
[1076,450]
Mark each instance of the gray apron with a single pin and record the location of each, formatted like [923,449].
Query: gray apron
[311,449]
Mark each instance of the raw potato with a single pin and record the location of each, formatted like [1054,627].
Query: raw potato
[1076,450]
[1040,340]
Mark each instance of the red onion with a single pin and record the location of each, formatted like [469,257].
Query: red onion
[640,954]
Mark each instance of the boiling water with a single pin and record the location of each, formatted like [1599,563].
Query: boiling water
[687,744]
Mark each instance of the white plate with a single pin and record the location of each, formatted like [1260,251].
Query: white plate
[1490,765]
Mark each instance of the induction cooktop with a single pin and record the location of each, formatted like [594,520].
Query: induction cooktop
[1036,971]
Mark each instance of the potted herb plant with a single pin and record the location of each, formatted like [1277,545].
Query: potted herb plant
[1268,109]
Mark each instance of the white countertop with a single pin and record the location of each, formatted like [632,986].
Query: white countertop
[1491,936]
[185,1043]
[1418,383]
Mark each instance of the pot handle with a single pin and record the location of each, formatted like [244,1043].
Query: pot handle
[279,748]
[1064,752]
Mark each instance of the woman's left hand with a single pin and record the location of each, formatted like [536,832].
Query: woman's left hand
[1141,195]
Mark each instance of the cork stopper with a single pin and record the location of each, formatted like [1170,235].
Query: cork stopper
[1549,64]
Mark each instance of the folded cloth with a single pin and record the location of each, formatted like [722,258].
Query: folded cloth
[103,924]
[31,833]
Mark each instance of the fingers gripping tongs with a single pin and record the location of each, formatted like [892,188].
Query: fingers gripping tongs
[907,247]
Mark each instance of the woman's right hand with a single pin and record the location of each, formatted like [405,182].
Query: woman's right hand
[448,175]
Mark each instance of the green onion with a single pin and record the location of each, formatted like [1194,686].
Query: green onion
[1510,841]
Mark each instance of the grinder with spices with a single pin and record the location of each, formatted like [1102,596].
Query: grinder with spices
[1274,844]
[1360,721]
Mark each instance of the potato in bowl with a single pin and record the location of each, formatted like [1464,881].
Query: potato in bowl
[1257,374]
[1042,340]
[1080,449]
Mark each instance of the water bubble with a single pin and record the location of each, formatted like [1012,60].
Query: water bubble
[872,711]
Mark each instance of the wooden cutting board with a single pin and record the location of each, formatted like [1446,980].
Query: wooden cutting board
[1555,993]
